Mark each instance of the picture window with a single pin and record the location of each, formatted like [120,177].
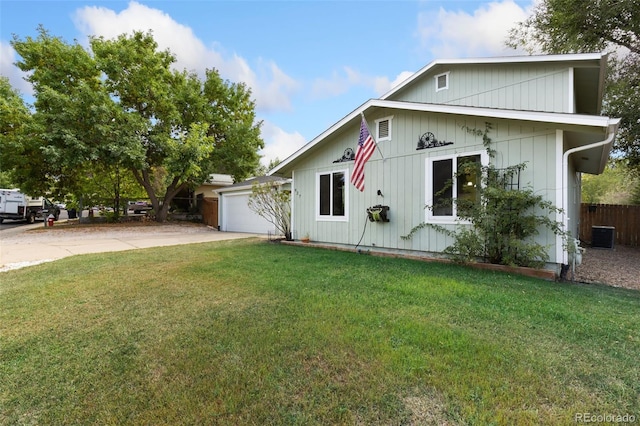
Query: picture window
[453,185]
[332,195]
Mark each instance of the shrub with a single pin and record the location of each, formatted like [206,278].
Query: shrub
[499,227]
[272,202]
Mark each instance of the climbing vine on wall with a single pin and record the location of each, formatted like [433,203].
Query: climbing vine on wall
[501,224]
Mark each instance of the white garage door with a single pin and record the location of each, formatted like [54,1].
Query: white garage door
[238,217]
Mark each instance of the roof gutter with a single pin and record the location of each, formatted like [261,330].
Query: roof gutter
[612,129]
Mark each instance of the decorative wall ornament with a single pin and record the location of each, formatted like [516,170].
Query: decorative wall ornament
[428,140]
[348,155]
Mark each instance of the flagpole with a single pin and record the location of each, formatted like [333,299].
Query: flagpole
[374,139]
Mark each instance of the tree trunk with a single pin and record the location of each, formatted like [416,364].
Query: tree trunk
[162,210]
[116,188]
[162,213]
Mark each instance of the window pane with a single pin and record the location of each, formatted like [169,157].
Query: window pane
[442,188]
[338,194]
[442,81]
[325,195]
[468,184]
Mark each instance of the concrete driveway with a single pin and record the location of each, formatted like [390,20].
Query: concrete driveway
[32,244]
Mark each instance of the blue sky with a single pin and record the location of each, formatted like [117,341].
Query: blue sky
[308,62]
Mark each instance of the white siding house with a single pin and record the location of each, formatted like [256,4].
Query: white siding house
[543,111]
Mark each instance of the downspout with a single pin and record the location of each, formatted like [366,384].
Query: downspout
[565,178]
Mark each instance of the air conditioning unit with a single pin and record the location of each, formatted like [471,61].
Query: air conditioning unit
[602,236]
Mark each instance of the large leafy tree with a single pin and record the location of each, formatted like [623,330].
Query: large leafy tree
[623,100]
[76,127]
[613,186]
[123,107]
[14,117]
[564,26]
[188,128]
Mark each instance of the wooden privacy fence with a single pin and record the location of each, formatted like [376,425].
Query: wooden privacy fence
[209,208]
[625,220]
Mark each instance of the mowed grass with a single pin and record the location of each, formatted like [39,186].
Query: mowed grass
[250,332]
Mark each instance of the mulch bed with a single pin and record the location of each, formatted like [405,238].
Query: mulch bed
[618,267]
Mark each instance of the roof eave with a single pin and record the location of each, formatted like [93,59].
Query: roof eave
[564,119]
[277,171]
[249,186]
[603,76]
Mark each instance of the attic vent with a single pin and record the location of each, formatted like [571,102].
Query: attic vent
[383,129]
[442,81]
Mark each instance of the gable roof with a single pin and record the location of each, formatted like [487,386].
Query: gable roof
[575,122]
[589,71]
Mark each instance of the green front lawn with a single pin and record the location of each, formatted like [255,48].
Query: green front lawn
[250,332]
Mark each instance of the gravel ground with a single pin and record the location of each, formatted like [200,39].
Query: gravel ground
[618,267]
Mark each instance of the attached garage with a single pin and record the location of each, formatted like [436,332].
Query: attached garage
[238,217]
[234,212]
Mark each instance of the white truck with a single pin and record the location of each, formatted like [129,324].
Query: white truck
[18,206]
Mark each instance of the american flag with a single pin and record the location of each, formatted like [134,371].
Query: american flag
[366,146]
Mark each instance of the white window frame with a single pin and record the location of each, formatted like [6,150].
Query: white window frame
[429,216]
[390,133]
[437,77]
[331,217]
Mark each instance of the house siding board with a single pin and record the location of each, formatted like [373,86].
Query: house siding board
[511,90]
[402,181]
[531,87]
[305,200]
[509,96]
[546,181]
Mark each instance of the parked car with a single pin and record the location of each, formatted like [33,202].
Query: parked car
[139,207]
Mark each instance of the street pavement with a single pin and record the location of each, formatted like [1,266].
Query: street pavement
[26,245]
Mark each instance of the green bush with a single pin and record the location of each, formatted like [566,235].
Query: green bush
[110,216]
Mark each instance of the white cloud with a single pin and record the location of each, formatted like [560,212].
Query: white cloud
[271,87]
[13,73]
[450,34]
[278,143]
[340,83]
[444,34]
[383,84]
[336,85]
